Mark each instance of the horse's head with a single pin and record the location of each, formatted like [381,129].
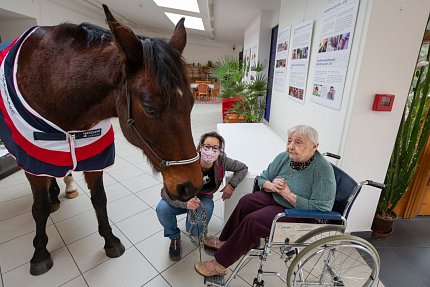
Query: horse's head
[154,108]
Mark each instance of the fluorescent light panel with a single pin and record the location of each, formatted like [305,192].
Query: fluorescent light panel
[190,22]
[187,5]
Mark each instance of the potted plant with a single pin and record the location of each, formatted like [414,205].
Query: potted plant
[411,137]
[245,98]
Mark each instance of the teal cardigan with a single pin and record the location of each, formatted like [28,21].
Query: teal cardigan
[315,186]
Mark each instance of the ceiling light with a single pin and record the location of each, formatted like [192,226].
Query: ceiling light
[187,5]
[190,22]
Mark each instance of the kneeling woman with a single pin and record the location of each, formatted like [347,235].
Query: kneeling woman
[298,178]
[214,164]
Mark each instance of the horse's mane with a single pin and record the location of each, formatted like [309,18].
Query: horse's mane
[158,57]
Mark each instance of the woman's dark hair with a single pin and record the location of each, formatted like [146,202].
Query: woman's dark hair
[213,135]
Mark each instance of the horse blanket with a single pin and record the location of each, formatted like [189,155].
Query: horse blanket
[39,146]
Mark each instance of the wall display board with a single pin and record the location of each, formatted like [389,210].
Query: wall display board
[301,36]
[337,28]
[281,59]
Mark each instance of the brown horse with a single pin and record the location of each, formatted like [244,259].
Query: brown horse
[78,76]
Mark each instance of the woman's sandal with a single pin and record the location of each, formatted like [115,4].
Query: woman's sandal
[210,268]
[213,243]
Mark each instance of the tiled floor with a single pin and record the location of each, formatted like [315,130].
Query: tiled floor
[133,191]
[405,254]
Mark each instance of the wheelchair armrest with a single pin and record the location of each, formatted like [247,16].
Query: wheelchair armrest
[255,187]
[312,214]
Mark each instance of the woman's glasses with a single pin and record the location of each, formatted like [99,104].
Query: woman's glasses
[207,147]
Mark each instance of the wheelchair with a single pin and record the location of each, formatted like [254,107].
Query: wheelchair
[316,252]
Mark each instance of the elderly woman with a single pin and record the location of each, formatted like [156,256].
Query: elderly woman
[298,178]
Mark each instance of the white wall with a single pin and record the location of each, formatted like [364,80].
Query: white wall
[11,27]
[387,37]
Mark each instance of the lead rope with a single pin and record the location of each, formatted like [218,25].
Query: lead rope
[194,221]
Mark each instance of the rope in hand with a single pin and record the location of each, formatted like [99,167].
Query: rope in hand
[193,218]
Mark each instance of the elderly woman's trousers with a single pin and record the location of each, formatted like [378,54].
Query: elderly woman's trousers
[251,220]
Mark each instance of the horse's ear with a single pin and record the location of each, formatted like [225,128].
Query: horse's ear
[126,39]
[179,37]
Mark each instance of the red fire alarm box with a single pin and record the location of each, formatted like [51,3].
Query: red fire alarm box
[383,102]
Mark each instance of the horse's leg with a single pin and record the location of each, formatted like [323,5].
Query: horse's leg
[113,246]
[54,191]
[41,261]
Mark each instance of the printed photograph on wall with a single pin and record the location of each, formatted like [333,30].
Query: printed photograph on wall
[281,59]
[332,59]
[301,38]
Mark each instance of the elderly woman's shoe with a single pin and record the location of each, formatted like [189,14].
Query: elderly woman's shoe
[213,243]
[210,268]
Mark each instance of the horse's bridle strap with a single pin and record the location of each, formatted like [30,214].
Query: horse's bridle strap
[163,163]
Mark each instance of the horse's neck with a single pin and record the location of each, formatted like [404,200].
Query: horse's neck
[72,88]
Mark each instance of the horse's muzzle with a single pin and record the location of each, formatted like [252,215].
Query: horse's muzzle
[186,191]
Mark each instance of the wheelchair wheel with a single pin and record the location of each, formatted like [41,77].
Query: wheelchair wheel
[322,232]
[339,260]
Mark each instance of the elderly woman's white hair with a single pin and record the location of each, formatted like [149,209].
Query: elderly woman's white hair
[305,131]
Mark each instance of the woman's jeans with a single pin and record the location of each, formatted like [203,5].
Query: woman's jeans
[167,213]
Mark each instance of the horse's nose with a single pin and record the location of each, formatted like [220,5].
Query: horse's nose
[186,191]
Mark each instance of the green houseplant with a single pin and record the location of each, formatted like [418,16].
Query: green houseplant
[249,95]
[411,137]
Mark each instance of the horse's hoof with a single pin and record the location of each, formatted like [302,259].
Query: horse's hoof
[116,251]
[41,267]
[55,207]
[72,194]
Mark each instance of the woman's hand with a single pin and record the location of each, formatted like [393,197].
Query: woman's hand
[193,203]
[227,191]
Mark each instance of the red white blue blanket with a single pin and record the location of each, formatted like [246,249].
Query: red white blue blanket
[39,146]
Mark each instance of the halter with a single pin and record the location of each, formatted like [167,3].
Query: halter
[162,163]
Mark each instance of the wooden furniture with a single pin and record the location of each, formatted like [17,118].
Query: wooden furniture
[203,91]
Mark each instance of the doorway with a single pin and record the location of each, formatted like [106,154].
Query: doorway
[273,42]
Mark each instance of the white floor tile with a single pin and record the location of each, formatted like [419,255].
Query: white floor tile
[131,269]
[13,179]
[118,165]
[116,191]
[15,191]
[64,270]
[125,207]
[88,252]
[156,250]
[15,207]
[156,282]
[72,207]
[76,282]
[175,274]
[151,195]
[78,226]
[125,173]
[140,183]
[19,251]
[17,226]
[145,166]
[140,226]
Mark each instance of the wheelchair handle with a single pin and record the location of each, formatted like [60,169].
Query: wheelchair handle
[375,184]
[329,154]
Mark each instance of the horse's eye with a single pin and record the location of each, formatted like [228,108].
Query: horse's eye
[151,112]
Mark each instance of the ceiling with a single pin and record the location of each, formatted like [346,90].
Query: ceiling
[228,18]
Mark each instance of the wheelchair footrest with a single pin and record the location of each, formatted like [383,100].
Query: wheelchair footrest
[219,280]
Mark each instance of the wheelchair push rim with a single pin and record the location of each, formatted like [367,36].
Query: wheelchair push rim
[339,260]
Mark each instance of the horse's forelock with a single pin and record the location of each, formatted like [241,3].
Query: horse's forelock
[166,63]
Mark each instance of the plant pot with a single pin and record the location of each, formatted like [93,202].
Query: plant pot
[382,226]
[234,118]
